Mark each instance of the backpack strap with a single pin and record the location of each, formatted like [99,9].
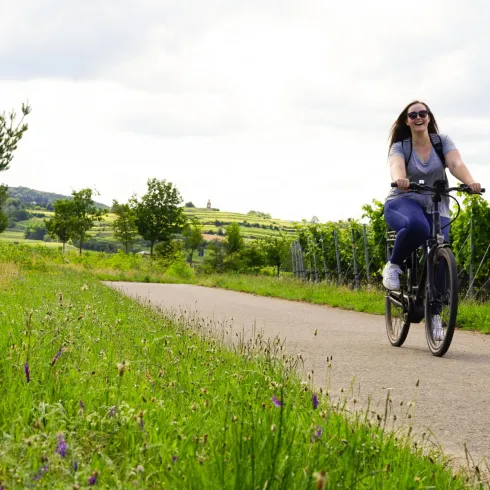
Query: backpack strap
[407,150]
[436,141]
[437,144]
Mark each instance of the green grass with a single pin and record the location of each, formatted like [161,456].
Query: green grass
[120,394]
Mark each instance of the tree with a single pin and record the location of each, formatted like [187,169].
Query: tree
[275,250]
[189,205]
[216,256]
[4,219]
[158,215]
[234,239]
[11,133]
[85,214]
[193,236]
[61,224]
[124,225]
[37,231]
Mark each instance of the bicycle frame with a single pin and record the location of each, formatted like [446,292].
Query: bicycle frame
[426,277]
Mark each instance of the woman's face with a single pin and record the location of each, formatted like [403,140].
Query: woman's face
[418,118]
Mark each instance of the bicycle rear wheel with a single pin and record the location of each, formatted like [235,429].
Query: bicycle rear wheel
[442,312]
[397,309]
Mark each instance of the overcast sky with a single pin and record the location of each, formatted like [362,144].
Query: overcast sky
[275,105]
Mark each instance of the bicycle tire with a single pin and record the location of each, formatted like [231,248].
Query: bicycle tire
[446,298]
[397,318]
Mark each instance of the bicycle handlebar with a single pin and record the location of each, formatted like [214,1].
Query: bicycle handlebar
[422,187]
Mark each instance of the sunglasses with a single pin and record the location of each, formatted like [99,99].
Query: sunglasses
[422,114]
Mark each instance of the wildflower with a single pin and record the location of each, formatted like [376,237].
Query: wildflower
[93,478]
[84,287]
[321,479]
[27,371]
[273,428]
[314,400]
[62,446]
[276,401]
[140,468]
[40,473]
[122,367]
[140,420]
[75,466]
[56,357]
[174,458]
[317,433]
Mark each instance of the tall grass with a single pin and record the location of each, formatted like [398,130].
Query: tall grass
[96,389]
[121,267]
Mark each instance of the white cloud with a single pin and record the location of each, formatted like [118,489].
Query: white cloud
[263,105]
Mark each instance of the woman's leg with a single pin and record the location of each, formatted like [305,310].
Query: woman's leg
[407,218]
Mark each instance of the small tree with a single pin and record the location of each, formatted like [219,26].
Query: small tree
[4,219]
[61,224]
[124,225]
[234,239]
[85,214]
[37,231]
[193,236]
[275,249]
[11,133]
[216,256]
[158,215]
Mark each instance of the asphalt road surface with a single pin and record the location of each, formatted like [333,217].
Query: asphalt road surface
[451,401]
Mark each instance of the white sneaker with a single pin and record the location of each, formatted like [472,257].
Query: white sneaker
[391,280]
[437,330]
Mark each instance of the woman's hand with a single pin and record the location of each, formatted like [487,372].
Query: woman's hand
[403,184]
[475,187]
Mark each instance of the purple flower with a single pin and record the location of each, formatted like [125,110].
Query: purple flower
[75,466]
[40,473]
[56,357]
[276,401]
[62,446]
[174,459]
[92,479]
[314,400]
[317,433]
[27,371]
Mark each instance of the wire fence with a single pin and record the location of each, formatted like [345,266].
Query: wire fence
[321,258]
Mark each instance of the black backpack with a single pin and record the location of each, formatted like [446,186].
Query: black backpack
[435,139]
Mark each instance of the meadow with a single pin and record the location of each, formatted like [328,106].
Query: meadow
[99,390]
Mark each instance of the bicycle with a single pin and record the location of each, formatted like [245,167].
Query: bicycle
[428,283]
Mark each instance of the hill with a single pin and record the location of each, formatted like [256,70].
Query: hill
[32,197]
[38,206]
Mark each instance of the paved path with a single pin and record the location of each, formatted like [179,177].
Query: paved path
[453,396]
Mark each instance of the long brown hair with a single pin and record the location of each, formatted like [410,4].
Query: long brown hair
[400,131]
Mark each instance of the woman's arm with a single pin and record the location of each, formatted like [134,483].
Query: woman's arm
[457,167]
[398,171]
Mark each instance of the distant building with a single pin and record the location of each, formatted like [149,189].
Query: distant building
[209,204]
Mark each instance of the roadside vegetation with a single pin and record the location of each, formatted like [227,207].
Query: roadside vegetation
[98,390]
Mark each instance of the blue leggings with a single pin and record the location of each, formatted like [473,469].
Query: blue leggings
[413,226]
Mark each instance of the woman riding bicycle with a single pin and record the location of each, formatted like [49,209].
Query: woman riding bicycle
[413,157]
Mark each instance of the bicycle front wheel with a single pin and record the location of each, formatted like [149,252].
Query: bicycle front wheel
[441,313]
[397,309]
